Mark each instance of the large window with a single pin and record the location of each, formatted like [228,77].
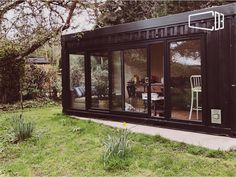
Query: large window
[77,81]
[99,80]
[185,77]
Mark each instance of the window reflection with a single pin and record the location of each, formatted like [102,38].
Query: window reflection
[135,71]
[99,80]
[185,63]
[117,99]
[77,81]
[128,80]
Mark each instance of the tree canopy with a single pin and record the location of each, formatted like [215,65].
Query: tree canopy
[113,12]
[26,25]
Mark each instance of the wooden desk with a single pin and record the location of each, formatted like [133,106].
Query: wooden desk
[157,88]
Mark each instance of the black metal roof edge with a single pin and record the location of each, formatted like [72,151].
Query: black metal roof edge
[228,9]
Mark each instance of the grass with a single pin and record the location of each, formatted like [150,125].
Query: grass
[62,146]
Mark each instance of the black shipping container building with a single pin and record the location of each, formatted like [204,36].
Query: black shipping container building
[177,71]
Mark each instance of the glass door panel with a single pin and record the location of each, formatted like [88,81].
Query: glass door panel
[129,71]
[77,81]
[185,80]
[117,98]
[135,73]
[99,80]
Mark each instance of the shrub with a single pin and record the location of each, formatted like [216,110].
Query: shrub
[34,80]
[40,81]
[10,80]
[116,147]
[21,129]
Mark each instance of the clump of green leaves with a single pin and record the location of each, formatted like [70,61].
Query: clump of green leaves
[21,129]
[116,147]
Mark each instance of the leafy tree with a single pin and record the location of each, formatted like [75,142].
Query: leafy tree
[30,24]
[51,50]
[100,78]
[25,26]
[77,71]
[113,12]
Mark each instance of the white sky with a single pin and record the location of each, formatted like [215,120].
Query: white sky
[186,60]
[83,22]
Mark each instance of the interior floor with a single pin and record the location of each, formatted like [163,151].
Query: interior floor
[184,115]
[176,114]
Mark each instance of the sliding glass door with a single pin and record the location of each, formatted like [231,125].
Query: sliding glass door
[117,81]
[99,80]
[77,81]
[186,80]
[171,88]
[135,72]
[129,79]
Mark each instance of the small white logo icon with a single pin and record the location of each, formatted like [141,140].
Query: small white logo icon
[218,20]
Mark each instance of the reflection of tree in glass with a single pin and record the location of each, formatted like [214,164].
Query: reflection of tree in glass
[115,12]
[185,61]
[77,70]
[188,49]
[99,75]
[185,58]
[179,70]
[136,56]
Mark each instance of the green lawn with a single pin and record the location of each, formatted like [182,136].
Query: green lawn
[58,149]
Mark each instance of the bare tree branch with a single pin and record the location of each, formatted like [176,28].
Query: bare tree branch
[37,44]
[72,8]
[10,6]
[42,40]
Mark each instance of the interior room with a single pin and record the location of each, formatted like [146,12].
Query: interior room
[129,70]
[135,72]
[130,80]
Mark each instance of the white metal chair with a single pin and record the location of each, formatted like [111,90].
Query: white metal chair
[196,88]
